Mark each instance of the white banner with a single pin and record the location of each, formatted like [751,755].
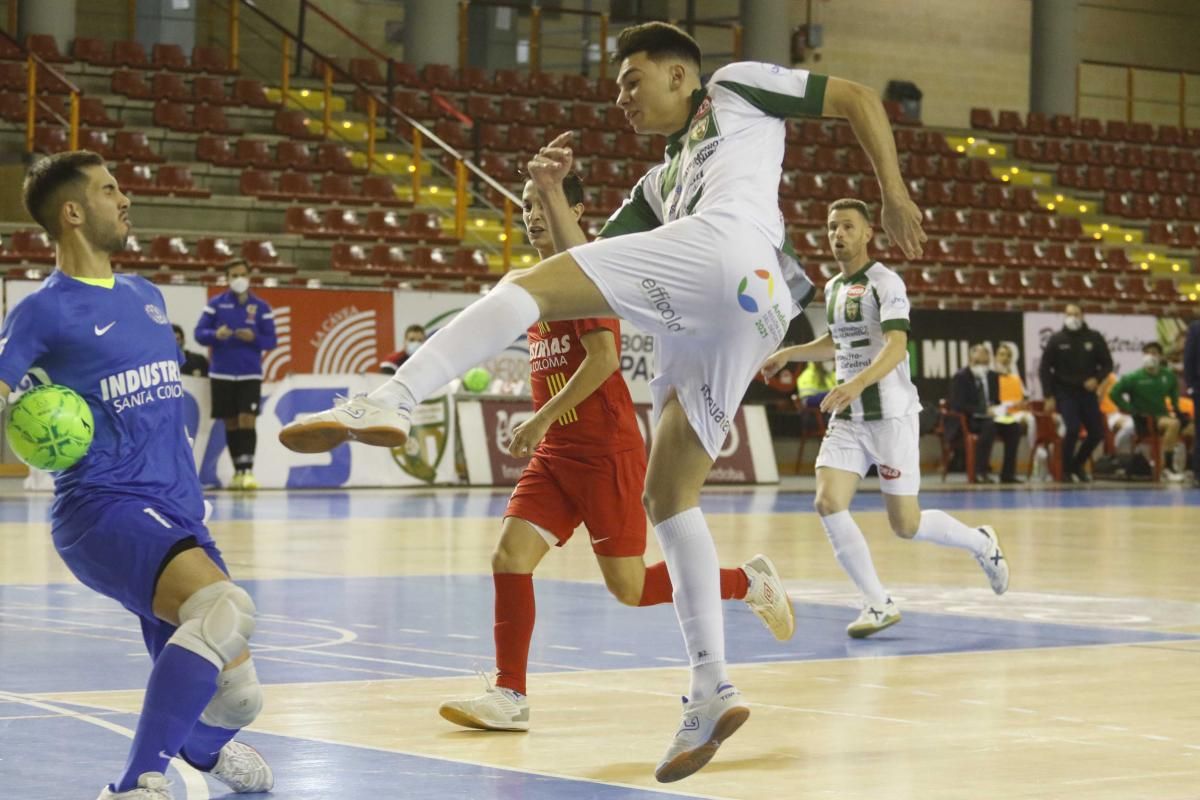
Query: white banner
[1125,334]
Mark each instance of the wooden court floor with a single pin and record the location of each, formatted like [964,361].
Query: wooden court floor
[1081,682]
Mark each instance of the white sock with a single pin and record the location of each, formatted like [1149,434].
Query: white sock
[691,558]
[941,528]
[850,549]
[481,330]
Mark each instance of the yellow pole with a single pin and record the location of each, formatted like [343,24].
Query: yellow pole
[234,31]
[415,166]
[370,133]
[285,78]
[1129,94]
[31,111]
[535,39]
[460,198]
[737,42]
[463,34]
[327,119]
[603,46]
[508,222]
[74,140]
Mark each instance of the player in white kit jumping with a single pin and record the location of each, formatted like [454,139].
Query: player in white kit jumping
[697,255]
[874,408]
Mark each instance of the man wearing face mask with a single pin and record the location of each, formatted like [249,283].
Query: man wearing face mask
[975,392]
[1143,395]
[414,337]
[1074,362]
[239,327]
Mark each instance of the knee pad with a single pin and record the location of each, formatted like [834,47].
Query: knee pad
[216,623]
[238,700]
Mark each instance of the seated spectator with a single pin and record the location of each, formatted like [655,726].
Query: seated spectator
[1013,396]
[814,383]
[975,392]
[414,337]
[193,363]
[1120,424]
[1144,394]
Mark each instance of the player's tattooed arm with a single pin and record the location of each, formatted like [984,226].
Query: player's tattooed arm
[895,350]
[820,349]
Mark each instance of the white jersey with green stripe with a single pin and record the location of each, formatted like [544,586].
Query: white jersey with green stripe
[728,159]
[860,309]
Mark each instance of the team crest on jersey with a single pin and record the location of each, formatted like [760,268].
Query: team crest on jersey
[857,290]
[155,313]
[853,309]
[704,125]
[251,310]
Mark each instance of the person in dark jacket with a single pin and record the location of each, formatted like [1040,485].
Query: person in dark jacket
[239,327]
[975,392]
[1191,376]
[1074,362]
[193,363]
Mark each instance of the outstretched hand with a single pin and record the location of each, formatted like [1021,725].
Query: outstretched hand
[902,220]
[552,163]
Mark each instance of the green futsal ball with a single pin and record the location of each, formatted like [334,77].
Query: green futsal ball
[50,427]
[477,379]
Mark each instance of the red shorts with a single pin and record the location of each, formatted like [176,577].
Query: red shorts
[603,492]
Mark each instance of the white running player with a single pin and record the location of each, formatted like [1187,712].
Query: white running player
[874,409]
[698,256]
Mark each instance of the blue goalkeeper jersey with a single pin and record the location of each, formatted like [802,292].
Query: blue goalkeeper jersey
[115,347]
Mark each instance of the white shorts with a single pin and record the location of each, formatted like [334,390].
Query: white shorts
[710,287]
[891,444]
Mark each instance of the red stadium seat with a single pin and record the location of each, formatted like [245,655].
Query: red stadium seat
[366,70]
[212,60]
[172,251]
[259,184]
[291,123]
[135,146]
[249,92]
[134,178]
[213,252]
[294,155]
[383,224]
[334,157]
[131,85]
[171,57]
[262,255]
[45,47]
[389,258]
[93,114]
[342,222]
[339,188]
[209,89]
[129,54]
[212,119]
[349,257]
[169,86]
[91,51]
[215,150]
[442,77]
[982,119]
[174,117]
[254,153]
[304,221]
[50,140]
[380,190]
[297,186]
[476,79]
[96,141]
[177,180]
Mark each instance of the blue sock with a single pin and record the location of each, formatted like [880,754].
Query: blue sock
[204,744]
[181,685]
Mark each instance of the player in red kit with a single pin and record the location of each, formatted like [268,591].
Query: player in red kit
[588,465]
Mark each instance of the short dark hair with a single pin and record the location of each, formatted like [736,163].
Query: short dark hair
[415,327]
[49,180]
[852,203]
[1155,346]
[178,330]
[657,40]
[572,186]
[233,262]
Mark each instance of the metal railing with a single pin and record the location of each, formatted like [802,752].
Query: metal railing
[33,63]
[1129,74]
[419,136]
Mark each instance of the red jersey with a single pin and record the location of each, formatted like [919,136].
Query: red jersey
[604,422]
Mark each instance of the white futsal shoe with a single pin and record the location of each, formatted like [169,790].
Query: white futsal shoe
[497,709]
[873,620]
[993,562]
[150,786]
[768,599]
[705,725]
[243,769]
[358,419]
